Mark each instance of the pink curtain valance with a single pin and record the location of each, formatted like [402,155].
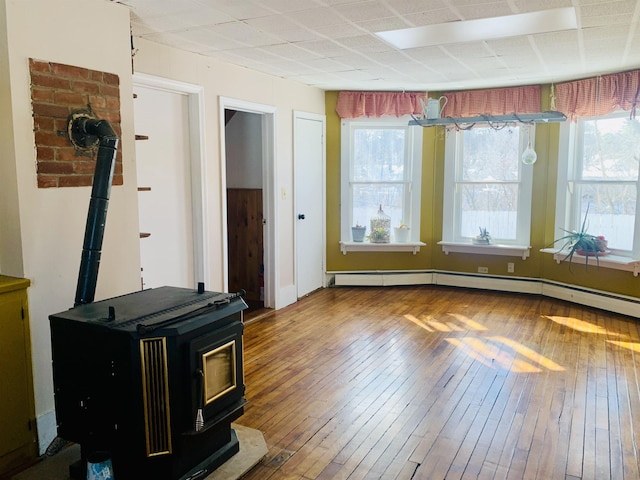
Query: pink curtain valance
[376,104]
[496,101]
[595,96]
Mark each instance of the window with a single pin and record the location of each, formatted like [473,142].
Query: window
[487,186]
[381,166]
[599,171]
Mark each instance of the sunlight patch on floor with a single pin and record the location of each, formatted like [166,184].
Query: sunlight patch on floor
[630,345]
[490,351]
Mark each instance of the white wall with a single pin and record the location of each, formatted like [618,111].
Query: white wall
[244,150]
[10,244]
[47,225]
[223,80]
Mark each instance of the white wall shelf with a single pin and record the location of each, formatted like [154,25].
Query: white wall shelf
[543,117]
[413,247]
[616,262]
[497,249]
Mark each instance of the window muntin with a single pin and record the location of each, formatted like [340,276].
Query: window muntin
[486,185]
[599,161]
[381,165]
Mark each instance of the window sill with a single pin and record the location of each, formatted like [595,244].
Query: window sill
[616,262]
[413,247]
[497,249]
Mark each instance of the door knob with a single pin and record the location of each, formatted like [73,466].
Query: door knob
[301,216]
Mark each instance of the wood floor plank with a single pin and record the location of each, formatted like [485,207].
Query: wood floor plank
[436,382]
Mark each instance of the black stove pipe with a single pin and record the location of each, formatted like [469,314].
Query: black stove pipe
[88,131]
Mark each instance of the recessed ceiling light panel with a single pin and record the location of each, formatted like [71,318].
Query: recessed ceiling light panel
[554,20]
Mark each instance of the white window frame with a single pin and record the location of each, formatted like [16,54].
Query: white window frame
[413,157]
[566,216]
[452,240]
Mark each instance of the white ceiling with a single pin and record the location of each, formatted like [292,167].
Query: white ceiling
[330,44]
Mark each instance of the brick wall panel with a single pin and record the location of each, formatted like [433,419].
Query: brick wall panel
[75,180]
[50,82]
[57,91]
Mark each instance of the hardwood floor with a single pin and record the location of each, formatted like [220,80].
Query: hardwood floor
[436,382]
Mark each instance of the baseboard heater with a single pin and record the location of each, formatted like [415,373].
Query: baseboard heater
[593,298]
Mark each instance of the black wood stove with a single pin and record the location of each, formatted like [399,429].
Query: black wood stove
[154,377]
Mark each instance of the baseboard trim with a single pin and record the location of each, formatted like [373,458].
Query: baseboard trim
[612,302]
[383,279]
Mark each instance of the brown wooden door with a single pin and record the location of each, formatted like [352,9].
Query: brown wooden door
[244,220]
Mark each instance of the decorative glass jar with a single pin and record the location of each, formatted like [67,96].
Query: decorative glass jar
[380,227]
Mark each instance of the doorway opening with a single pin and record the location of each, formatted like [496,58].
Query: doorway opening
[170,170]
[247,139]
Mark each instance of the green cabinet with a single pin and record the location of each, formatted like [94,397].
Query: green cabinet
[18,440]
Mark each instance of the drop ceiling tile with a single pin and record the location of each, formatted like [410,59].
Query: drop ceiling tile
[254,54]
[339,30]
[335,3]
[366,44]
[163,23]
[427,54]
[283,28]
[202,16]
[290,51]
[179,42]
[520,46]
[602,9]
[405,7]
[326,65]
[283,6]
[157,7]
[605,20]
[355,60]
[434,17]
[477,3]
[473,12]
[371,10]
[384,24]
[390,58]
[325,48]
[205,36]
[240,10]
[316,17]
[467,50]
[245,34]
[526,6]
[358,75]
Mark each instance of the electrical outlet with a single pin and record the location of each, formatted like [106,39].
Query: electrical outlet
[483,269]
[510,267]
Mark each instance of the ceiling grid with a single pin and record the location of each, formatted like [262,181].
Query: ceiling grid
[333,44]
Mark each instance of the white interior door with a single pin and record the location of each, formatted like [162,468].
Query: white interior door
[164,184]
[309,185]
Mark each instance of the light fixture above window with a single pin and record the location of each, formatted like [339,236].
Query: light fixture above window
[544,21]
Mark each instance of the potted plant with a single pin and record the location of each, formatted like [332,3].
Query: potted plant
[483,239]
[401,233]
[582,243]
[357,232]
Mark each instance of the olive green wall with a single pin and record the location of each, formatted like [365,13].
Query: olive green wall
[538,265]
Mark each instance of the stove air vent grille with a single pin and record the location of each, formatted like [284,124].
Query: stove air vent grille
[155,390]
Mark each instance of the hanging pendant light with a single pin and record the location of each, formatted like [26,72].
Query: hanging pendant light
[529,156]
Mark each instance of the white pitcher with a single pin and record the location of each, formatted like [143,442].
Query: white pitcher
[434,110]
